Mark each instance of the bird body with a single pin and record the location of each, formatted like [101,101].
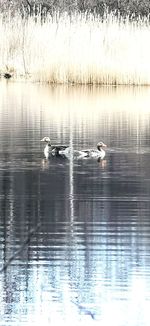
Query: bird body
[98,153]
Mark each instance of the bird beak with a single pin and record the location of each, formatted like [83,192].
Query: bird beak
[104,145]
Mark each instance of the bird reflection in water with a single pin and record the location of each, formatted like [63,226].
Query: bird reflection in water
[45,164]
[102,163]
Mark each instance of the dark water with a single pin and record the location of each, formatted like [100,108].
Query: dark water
[74,234]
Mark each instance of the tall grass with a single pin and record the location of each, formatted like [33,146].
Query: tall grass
[81,48]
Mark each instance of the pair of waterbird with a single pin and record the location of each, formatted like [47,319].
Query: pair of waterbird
[64,150]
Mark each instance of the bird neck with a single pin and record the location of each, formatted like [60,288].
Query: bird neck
[100,149]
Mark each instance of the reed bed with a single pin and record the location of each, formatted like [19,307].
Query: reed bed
[79,49]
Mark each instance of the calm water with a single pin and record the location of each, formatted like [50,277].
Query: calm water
[74,234]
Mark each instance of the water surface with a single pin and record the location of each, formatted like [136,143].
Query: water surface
[74,234]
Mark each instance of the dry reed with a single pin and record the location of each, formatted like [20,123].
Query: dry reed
[79,48]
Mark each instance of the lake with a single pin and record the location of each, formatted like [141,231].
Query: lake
[74,233]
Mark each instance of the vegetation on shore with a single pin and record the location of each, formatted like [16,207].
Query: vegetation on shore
[81,48]
[125,7]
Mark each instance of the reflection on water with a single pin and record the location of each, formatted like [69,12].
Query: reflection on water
[74,234]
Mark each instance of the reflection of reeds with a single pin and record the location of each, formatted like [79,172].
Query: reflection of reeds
[78,49]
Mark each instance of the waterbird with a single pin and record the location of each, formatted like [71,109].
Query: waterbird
[98,153]
[52,149]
